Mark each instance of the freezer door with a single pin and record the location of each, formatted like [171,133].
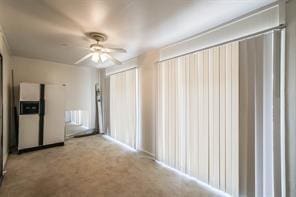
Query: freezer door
[28,131]
[29,92]
[54,118]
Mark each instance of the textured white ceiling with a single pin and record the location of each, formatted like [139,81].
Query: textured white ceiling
[54,29]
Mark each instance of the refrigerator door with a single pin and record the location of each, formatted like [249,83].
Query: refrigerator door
[29,92]
[28,135]
[54,118]
[28,131]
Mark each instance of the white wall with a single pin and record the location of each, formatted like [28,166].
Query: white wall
[6,94]
[80,81]
[290,99]
[146,66]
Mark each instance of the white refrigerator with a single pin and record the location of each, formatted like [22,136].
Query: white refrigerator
[41,116]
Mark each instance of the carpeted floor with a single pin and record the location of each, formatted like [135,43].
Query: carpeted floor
[92,166]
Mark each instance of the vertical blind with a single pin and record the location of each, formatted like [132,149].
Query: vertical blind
[260,134]
[123,107]
[197,115]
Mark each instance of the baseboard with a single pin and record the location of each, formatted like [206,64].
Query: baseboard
[40,147]
[147,152]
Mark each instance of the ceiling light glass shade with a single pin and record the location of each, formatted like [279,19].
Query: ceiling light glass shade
[103,57]
[95,57]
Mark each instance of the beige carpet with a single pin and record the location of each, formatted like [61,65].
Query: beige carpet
[92,166]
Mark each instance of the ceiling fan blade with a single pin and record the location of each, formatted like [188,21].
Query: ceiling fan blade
[113,50]
[83,58]
[115,61]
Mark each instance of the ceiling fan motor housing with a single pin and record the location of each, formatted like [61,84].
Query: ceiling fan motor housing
[99,37]
[96,47]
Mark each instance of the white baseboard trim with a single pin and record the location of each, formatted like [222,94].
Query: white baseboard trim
[146,152]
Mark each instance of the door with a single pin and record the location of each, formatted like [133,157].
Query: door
[28,120]
[54,117]
[1,118]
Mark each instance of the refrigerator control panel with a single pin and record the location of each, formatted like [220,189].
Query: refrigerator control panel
[29,107]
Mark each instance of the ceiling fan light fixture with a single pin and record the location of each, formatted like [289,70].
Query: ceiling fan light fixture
[104,57]
[100,54]
[95,57]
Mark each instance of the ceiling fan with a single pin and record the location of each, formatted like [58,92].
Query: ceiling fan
[99,53]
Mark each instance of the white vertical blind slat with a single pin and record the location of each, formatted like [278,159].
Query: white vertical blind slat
[228,120]
[200,77]
[211,116]
[205,167]
[216,121]
[222,117]
[235,118]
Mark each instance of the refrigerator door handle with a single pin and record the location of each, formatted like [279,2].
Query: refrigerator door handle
[42,107]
